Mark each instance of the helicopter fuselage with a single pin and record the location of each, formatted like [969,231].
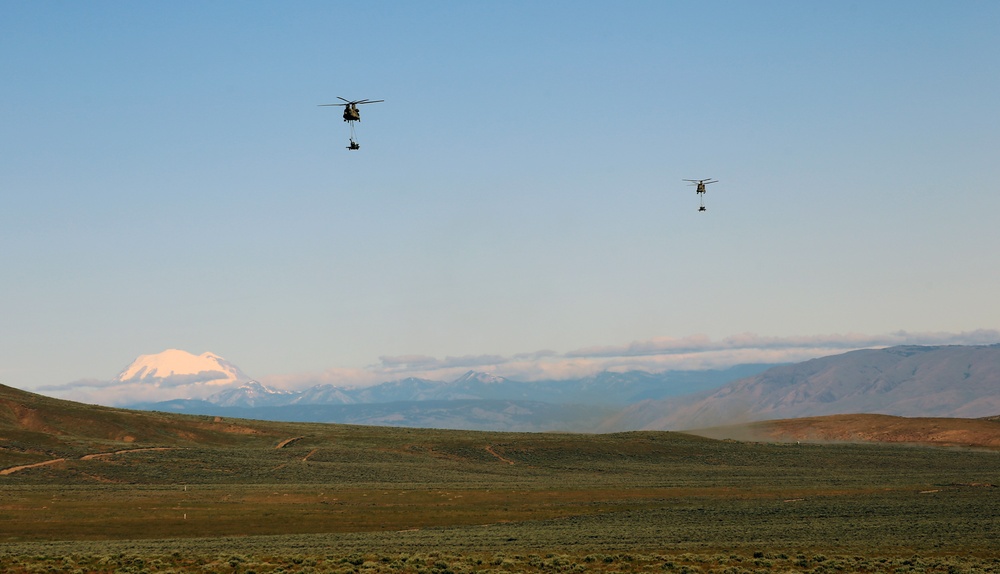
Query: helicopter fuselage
[351,113]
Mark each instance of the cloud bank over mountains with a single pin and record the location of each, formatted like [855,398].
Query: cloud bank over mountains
[653,355]
[749,341]
[202,375]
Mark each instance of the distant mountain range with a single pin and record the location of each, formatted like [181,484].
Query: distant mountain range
[908,381]
[474,401]
[606,389]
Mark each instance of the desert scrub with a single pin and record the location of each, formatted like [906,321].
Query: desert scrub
[531,563]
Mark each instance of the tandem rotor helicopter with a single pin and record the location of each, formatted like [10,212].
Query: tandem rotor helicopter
[351,115]
[700,189]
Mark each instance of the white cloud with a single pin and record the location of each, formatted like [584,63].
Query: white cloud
[78,384]
[696,344]
[216,378]
[115,392]
[409,363]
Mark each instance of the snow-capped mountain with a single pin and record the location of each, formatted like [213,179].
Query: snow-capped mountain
[176,368]
[324,395]
[477,378]
[252,394]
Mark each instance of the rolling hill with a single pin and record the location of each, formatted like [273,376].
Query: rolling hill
[458,414]
[34,427]
[926,431]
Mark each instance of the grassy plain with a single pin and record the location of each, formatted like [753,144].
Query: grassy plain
[167,493]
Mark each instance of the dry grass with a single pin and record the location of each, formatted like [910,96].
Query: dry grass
[204,487]
[967,433]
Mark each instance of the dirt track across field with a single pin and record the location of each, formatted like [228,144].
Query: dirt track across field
[14,469]
[288,441]
[126,451]
[490,450]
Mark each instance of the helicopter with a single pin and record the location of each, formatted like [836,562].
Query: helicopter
[351,112]
[700,189]
[351,115]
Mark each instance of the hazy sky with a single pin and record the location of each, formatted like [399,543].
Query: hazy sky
[168,181]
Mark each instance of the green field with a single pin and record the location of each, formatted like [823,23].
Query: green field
[220,496]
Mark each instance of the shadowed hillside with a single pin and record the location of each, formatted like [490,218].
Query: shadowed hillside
[910,381]
[33,422]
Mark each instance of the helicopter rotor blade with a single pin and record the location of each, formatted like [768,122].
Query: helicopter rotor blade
[340,98]
[331,104]
[368,101]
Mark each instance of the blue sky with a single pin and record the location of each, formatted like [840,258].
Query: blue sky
[168,181]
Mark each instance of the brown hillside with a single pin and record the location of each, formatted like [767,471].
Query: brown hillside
[65,426]
[956,432]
